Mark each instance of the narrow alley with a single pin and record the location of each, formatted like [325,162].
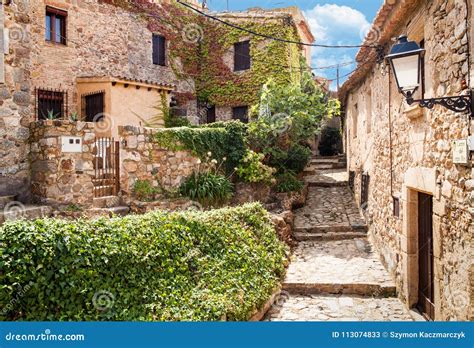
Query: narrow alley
[334,274]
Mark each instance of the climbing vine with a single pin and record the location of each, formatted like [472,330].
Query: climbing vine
[205,59]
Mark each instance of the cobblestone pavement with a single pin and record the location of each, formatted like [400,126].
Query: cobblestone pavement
[337,262]
[328,177]
[326,207]
[336,308]
[334,274]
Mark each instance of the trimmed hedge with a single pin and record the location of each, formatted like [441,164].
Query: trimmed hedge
[222,139]
[188,266]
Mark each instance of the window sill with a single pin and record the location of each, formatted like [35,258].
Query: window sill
[54,43]
[414,112]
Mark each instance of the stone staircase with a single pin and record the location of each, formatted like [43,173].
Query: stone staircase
[11,210]
[334,273]
[108,206]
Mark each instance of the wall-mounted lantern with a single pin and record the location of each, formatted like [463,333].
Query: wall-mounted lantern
[405,59]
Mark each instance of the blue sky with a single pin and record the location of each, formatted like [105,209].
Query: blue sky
[332,22]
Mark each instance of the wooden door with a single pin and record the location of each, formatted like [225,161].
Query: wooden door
[425,256]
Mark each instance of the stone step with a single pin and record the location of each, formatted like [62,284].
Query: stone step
[338,267]
[327,183]
[337,308]
[333,228]
[4,200]
[28,212]
[108,212]
[328,236]
[107,202]
[360,289]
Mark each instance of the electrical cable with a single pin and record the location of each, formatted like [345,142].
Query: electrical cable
[269,36]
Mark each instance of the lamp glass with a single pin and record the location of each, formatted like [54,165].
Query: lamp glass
[407,72]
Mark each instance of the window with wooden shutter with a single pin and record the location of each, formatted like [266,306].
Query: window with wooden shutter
[55,25]
[242,56]
[159,50]
[241,113]
[93,106]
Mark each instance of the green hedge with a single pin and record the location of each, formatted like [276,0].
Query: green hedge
[221,264]
[222,139]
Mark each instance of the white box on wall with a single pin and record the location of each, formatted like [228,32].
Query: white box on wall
[71,144]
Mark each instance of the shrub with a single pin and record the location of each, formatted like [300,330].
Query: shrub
[224,140]
[198,266]
[330,141]
[252,169]
[207,188]
[288,182]
[144,190]
[295,159]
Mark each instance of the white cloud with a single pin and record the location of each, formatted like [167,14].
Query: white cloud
[331,23]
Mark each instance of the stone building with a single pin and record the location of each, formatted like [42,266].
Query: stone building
[115,63]
[417,199]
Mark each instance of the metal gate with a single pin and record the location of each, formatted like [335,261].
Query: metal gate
[425,256]
[364,191]
[106,167]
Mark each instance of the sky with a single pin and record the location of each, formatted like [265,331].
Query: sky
[333,22]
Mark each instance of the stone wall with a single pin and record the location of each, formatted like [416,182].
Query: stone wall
[408,149]
[143,159]
[102,40]
[59,178]
[15,108]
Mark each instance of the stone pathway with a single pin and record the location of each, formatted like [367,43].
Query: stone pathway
[334,274]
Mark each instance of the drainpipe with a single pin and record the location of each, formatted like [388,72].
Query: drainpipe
[390,128]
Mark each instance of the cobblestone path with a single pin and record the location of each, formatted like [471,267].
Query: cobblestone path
[334,274]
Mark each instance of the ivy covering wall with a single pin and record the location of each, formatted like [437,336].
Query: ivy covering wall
[198,47]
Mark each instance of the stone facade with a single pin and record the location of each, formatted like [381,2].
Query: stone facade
[15,108]
[103,41]
[59,178]
[407,149]
[143,159]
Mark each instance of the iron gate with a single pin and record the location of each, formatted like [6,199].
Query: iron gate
[106,167]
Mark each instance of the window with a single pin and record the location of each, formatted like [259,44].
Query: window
[50,104]
[364,191]
[241,113]
[355,122]
[93,106]
[242,56]
[55,26]
[159,50]
[211,114]
[369,112]
[396,206]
